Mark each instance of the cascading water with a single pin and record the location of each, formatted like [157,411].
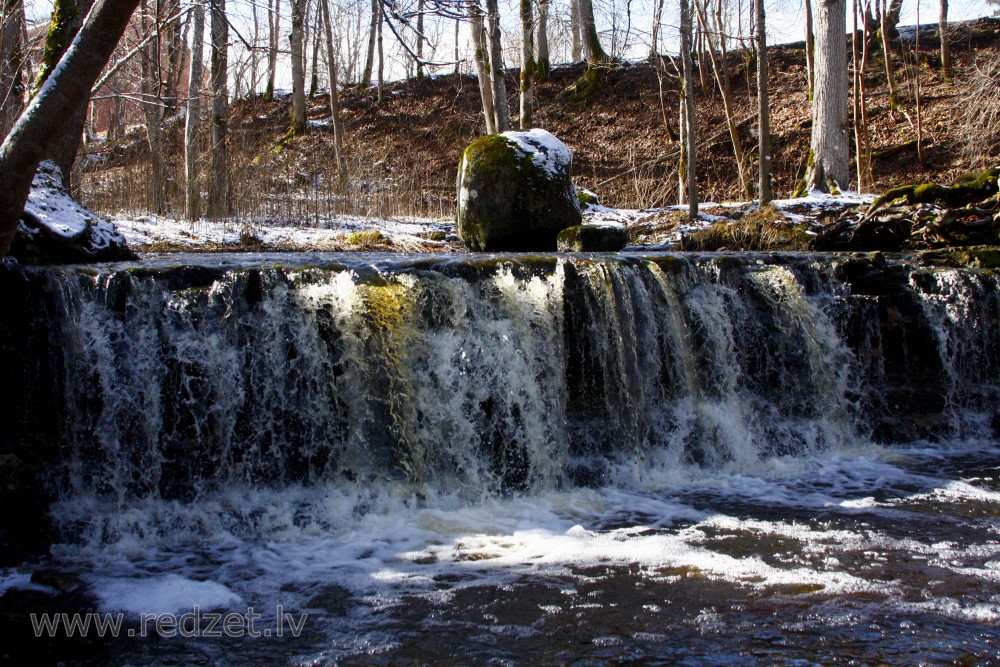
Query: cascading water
[405,447]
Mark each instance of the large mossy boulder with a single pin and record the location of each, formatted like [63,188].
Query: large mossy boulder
[56,229]
[515,192]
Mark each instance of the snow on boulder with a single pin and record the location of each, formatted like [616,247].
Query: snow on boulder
[56,229]
[515,192]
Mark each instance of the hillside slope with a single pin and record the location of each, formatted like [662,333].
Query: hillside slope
[403,152]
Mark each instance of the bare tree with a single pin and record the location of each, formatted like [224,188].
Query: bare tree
[338,128]
[219,192]
[763,110]
[828,167]
[274,26]
[527,65]
[543,65]
[501,108]
[366,77]
[192,154]
[41,124]
[810,48]
[67,18]
[298,68]
[12,54]
[483,70]
[153,106]
[593,52]
[689,189]
[887,53]
[943,34]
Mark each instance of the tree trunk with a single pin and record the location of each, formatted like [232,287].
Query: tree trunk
[810,49]
[887,53]
[153,109]
[574,24]
[192,199]
[298,68]
[11,64]
[527,65]
[381,53]
[274,23]
[314,79]
[687,91]
[420,39]
[829,166]
[67,17]
[943,34]
[593,52]
[366,77]
[32,137]
[654,40]
[338,128]
[483,70]
[218,193]
[763,110]
[542,64]
[501,108]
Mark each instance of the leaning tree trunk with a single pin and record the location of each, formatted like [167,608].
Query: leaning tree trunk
[687,69]
[38,128]
[331,66]
[298,68]
[482,65]
[11,64]
[218,193]
[67,17]
[829,166]
[763,110]
[887,53]
[500,106]
[542,64]
[527,65]
[192,198]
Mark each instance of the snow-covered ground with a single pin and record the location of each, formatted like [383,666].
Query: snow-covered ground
[151,233]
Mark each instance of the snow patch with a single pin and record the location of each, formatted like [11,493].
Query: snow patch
[546,151]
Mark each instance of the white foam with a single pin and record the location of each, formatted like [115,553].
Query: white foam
[166,594]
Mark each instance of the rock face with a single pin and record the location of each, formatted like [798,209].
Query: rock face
[515,192]
[593,238]
[56,229]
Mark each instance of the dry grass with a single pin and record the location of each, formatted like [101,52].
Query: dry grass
[762,230]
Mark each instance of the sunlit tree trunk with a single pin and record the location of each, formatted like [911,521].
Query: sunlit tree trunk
[314,79]
[810,48]
[828,167]
[593,52]
[153,108]
[338,127]
[37,130]
[943,33]
[501,108]
[366,76]
[887,53]
[483,70]
[274,25]
[298,67]
[763,110]
[420,39]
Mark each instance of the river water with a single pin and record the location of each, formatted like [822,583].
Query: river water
[513,460]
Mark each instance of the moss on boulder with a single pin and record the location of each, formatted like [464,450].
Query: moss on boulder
[593,238]
[515,192]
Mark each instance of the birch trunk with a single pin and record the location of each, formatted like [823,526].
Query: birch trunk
[192,198]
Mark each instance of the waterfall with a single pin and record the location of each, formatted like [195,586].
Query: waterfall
[478,376]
